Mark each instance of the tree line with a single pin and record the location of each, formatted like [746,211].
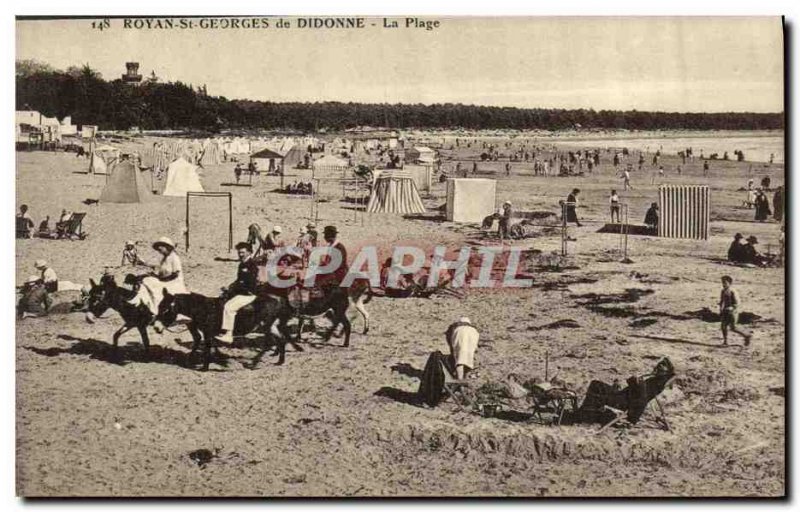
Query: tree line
[83,93]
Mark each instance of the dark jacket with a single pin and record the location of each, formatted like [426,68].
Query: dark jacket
[245,283]
[651,217]
[735,252]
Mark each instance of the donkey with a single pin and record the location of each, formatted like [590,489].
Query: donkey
[205,317]
[334,302]
[107,295]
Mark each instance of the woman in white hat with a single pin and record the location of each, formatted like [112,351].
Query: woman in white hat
[48,276]
[169,271]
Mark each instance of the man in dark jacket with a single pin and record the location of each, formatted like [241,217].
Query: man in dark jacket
[651,217]
[571,205]
[735,251]
[750,254]
[241,292]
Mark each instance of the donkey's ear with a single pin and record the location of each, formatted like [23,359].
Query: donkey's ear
[91,282]
[164,292]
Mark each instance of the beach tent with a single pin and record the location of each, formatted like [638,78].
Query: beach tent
[182,178]
[420,154]
[421,174]
[102,158]
[125,185]
[470,199]
[266,159]
[395,192]
[293,156]
[329,164]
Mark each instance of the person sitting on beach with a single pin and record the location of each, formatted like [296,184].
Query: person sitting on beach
[44,227]
[48,276]
[651,217]
[751,255]
[462,338]
[735,252]
[63,222]
[130,255]
[34,299]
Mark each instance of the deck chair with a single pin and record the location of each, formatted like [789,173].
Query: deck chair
[608,404]
[658,413]
[24,228]
[72,228]
[438,382]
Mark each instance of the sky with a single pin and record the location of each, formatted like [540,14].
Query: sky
[691,64]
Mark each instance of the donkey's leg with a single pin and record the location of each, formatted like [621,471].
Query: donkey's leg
[337,319]
[280,348]
[361,308]
[300,322]
[122,330]
[145,337]
[286,337]
[207,341]
[196,338]
[347,329]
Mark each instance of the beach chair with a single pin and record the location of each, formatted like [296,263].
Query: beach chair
[609,404]
[438,382]
[657,411]
[72,228]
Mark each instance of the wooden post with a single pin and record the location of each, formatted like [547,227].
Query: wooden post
[187,222]
[230,220]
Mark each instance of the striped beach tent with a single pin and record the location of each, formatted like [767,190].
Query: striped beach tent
[395,192]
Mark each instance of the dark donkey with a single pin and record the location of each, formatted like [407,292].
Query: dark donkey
[205,318]
[335,301]
[107,295]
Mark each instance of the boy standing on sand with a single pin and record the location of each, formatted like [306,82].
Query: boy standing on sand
[728,312]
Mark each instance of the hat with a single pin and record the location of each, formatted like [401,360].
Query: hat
[129,242]
[303,230]
[331,230]
[738,236]
[31,279]
[310,226]
[277,229]
[40,264]
[507,203]
[752,239]
[464,320]
[163,241]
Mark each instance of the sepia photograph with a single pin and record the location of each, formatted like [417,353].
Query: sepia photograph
[353,256]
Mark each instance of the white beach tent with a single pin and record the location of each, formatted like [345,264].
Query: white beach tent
[102,158]
[182,178]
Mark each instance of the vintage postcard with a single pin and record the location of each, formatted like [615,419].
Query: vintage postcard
[316,256]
